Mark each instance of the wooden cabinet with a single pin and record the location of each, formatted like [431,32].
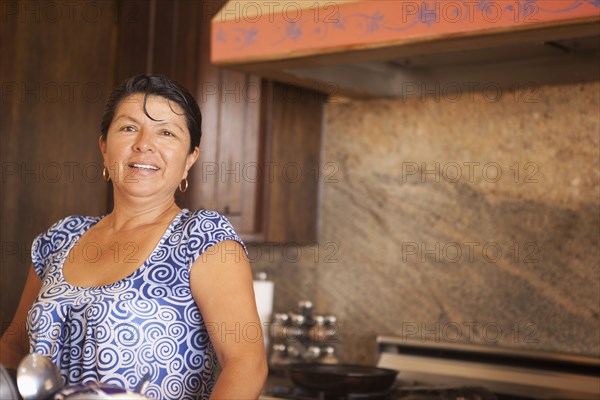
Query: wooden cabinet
[222,178]
[293,120]
[259,160]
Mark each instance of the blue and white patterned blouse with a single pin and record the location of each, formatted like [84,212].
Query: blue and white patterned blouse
[146,323]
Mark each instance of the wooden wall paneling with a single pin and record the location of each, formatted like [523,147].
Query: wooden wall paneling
[132,51]
[187,44]
[185,59]
[163,40]
[205,174]
[54,89]
[14,241]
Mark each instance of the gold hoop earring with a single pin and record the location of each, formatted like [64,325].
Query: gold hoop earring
[183,185]
[105,174]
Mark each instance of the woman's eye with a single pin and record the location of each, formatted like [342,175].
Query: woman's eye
[168,133]
[128,128]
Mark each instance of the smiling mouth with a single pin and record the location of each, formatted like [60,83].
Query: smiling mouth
[143,166]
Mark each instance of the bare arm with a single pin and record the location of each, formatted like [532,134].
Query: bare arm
[221,283]
[14,344]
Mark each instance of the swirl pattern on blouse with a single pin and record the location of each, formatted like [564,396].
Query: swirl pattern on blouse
[146,323]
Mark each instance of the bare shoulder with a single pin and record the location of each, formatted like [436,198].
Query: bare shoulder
[228,253]
[222,276]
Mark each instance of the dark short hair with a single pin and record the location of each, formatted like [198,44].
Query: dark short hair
[155,85]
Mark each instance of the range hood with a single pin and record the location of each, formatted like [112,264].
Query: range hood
[405,48]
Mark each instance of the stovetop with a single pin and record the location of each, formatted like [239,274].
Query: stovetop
[396,393]
[448,371]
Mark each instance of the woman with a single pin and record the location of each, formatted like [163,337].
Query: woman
[149,289]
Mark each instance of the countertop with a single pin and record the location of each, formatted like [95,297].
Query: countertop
[274,379]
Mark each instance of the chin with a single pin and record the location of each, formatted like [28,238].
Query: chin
[137,190]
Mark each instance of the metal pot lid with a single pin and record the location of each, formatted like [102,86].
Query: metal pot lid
[95,390]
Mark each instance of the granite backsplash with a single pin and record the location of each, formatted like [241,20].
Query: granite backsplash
[471,220]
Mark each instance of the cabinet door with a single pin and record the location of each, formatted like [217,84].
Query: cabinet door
[259,162]
[292,149]
[238,147]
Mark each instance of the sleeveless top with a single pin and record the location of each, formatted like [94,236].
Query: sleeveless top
[146,324]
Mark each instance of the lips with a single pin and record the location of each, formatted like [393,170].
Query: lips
[143,166]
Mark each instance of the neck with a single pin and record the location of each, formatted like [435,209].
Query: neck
[131,214]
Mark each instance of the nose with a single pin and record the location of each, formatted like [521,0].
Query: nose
[143,142]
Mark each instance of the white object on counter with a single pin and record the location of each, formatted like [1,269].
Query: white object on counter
[263,294]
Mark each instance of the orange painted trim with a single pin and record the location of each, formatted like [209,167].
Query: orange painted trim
[272,30]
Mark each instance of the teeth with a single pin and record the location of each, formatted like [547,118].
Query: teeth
[144,166]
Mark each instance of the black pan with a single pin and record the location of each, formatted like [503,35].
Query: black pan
[341,378]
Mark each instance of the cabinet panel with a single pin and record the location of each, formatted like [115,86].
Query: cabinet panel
[231,136]
[226,178]
[253,155]
[264,158]
[294,137]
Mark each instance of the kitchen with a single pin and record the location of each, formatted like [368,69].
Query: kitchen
[457,219]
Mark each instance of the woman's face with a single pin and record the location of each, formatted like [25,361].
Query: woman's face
[147,157]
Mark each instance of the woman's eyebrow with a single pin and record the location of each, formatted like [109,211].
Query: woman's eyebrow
[132,119]
[170,123]
[159,123]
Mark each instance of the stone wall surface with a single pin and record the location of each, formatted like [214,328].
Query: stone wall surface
[472,221]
